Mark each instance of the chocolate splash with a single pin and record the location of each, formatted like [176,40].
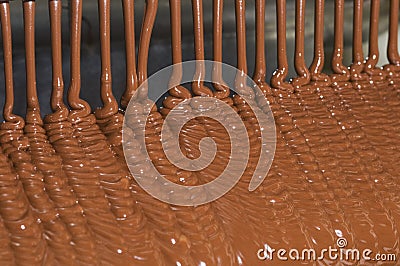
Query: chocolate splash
[66,193]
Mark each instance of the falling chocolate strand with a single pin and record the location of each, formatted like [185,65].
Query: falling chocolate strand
[373,53]
[110,103]
[393,68]
[299,61]
[130,52]
[177,92]
[176,31]
[145,37]
[260,65]
[108,117]
[278,78]
[8,68]
[260,70]
[319,57]
[57,92]
[318,61]
[241,76]
[393,48]
[29,25]
[341,73]
[358,56]
[198,85]
[75,83]
[241,35]
[222,90]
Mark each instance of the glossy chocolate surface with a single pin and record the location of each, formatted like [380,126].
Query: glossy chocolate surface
[67,196]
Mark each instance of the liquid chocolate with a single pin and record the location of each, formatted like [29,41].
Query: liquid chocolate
[299,62]
[67,196]
[130,51]
[278,78]
[221,89]
[197,86]
[177,93]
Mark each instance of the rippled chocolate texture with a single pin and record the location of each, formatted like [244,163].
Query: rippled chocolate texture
[67,196]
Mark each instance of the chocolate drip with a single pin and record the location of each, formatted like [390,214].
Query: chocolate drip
[373,53]
[393,48]
[319,57]
[260,70]
[278,78]
[341,73]
[222,90]
[241,35]
[8,68]
[260,66]
[130,51]
[197,86]
[358,56]
[299,62]
[240,81]
[55,10]
[177,92]
[110,104]
[29,29]
[73,92]
[145,37]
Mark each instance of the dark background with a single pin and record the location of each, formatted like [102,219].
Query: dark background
[160,49]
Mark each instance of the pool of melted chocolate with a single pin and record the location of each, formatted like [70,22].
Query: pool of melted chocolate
[67,196]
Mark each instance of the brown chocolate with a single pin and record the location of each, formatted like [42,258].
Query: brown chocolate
[341,73]
[145,37]
[198,87]
[130,50]
[177,93]
[299,63]
[318,62]
[67,196]
[24,237]
[278,78]
[358,56]
[221,89]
